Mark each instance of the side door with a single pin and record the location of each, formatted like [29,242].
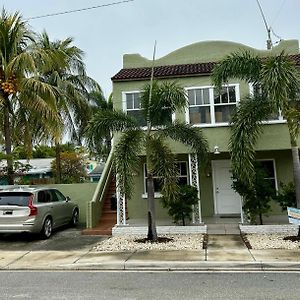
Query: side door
[65,205]
[57,209]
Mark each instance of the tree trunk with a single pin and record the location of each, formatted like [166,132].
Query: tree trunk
[58,163]
[152,234]
[296,171]
[8,142]
[260,219]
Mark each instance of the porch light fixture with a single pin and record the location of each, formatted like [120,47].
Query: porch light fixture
[216,150]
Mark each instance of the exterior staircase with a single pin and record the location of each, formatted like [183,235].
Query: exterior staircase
[108,217]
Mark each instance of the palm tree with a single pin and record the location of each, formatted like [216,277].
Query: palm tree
[67,74]
[276,81]
[20,86]
[99,144]
[165,99]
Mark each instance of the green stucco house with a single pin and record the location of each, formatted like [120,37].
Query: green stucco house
[210,110]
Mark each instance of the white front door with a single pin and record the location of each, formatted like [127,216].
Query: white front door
[227,201]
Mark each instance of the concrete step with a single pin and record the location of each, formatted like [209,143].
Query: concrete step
[223,229]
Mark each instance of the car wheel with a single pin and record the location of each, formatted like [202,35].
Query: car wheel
[75,218]
[47,228]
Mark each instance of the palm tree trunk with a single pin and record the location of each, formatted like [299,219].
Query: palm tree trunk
[8,142]
[296,171]
[58,163]
[152,234]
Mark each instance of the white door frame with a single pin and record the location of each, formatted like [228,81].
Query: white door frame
[213,165]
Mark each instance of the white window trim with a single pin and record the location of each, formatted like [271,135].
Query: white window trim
[157,194]
[280,120]
[124,105]
[211,104]
[274,166]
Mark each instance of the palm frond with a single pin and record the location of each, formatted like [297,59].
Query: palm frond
[166,98]
[126,159]
[280,79]
[189,136]
[245,130]
[162,163]
[108,120]
[243,65]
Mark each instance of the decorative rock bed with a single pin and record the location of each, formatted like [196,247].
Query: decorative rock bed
[271,241]
[130,243]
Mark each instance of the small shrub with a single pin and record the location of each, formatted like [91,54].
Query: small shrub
[286,196]
[257,197]
[182,209]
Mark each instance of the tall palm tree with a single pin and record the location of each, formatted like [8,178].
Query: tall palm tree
[277,81]
[68,75]
[99,144]
[20,85]
[165,99]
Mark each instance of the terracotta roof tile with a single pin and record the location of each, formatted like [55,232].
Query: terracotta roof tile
[183,70]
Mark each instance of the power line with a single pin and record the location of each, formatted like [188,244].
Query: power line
[78,10]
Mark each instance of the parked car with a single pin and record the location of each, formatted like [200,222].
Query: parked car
[35,210]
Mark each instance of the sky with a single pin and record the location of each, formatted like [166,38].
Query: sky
[106,33]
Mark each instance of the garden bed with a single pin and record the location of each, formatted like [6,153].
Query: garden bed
[167,242]
[270,241]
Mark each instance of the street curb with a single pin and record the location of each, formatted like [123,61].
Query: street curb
[171,266]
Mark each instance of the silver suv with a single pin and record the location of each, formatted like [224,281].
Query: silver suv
[36,210]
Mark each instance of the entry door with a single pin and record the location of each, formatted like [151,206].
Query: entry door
[227,201]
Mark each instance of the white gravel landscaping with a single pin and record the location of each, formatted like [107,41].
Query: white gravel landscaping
[127,243]
[271,241]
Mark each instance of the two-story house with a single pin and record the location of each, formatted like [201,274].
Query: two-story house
[209,110]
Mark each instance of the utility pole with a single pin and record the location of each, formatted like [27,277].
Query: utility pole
[269,41]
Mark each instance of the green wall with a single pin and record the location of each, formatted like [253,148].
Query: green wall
[80,193]
[206,51]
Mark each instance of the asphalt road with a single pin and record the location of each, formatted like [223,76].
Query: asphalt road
[62,240]
[142,285]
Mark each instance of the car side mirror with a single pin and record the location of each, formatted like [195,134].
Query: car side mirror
[68,199]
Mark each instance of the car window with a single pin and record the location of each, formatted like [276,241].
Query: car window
[53,196]
[48,197]
[59,195]
[42,198]
[14,198]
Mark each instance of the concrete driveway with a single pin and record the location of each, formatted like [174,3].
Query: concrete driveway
[65,239]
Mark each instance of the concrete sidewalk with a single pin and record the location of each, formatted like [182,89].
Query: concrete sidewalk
[224,252]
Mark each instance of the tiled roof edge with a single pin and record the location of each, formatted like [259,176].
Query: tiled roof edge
[182,70]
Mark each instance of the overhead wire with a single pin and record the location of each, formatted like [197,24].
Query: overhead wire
[78,10]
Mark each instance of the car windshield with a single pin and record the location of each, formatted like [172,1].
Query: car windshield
[14,198]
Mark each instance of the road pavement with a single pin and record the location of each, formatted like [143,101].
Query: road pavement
[147,285]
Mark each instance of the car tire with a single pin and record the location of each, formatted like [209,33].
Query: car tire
[75,218]
[47,228]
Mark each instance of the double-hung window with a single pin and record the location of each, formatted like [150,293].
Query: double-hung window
[268,166]
[132,106]
[256,90]
[182,177]
[209,106]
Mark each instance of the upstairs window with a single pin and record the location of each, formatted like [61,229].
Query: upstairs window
[256,90]
[207,105]
[132,106]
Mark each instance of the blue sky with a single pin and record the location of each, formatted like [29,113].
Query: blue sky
[105,34]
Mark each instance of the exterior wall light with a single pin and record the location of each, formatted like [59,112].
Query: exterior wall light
[216,150]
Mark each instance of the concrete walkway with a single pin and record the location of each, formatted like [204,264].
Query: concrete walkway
[224,252]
